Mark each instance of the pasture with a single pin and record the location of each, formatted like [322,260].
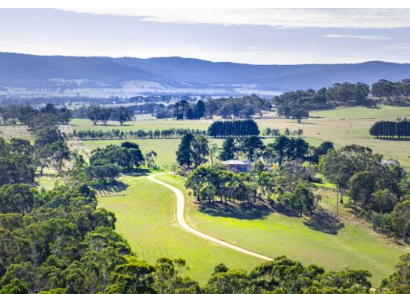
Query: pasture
[342,126]
[145,217]
[277,234]
[146,211]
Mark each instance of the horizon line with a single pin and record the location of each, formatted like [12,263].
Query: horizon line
[193,58]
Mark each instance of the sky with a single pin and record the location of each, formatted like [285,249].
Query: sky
[256,36]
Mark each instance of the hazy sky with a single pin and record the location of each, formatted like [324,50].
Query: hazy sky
[262,36]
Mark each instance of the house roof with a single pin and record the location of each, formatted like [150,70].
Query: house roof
[234,162]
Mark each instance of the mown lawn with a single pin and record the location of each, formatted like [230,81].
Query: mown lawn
[145,217]
[277,234]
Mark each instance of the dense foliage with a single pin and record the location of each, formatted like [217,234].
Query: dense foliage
[297,104]
[378,187]
[105,163]
[391,129]
[98,114]
[244,107]
[235,128]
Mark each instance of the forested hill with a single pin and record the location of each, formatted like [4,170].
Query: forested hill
[30,71]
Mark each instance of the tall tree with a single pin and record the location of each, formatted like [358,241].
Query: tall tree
[184,152]
[252,147]
[200,150]
[228,149]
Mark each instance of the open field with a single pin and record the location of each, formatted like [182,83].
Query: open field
[146,219]
[342,126]
[9,132]
[276,234]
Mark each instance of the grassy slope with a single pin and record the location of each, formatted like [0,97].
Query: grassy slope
[146,219]
[278,234]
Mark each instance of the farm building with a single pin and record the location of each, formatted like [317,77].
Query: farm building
[238,166]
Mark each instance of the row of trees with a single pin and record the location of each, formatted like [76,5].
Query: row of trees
[273,132]
[173,133]
[235,128]
[391,129]
[378,188]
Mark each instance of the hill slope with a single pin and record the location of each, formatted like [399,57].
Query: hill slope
[174,73]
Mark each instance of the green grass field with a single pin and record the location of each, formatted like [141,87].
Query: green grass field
[277,234]
[342,126]
[146,213]
[145,217]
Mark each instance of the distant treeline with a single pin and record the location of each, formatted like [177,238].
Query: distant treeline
[161,99]
[236,128]
[228,108]
[391,129]
[138,134]
[67,101]
[290,103]
[32,117]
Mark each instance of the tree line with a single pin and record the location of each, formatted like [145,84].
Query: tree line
[227,108]
[235,128]
[173,133]
[28,115]
[274,132]
[391,129]
[298,103]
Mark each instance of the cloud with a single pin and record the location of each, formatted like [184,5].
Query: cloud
[280,18]
[361,37]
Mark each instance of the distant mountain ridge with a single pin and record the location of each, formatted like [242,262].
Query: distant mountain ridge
[173,73]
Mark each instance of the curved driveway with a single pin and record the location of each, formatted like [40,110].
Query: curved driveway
[181,221]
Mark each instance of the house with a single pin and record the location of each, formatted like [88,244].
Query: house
[238,166]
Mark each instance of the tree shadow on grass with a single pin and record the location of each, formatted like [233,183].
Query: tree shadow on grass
[398,103]
[322,221]
[139,172]
[246,210]
[393,139]
[115,188]
[240,211]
